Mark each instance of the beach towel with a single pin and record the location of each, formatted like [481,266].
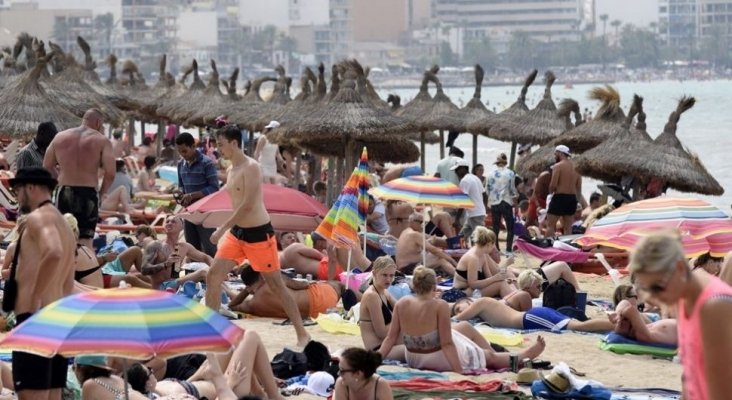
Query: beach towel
[622,345]
[540,390]
[410,374]
[404,394]
[429,385]
[552,254]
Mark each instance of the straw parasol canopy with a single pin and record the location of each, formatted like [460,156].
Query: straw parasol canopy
[169,107]
[253,112]
[88,72]
[608,122]
[24,103]
[281,92]
[518,108]
[541,158]
[165,89]
[539,125]
[210,110]
[399,150]
[299,107]
[630,153]
[475,110]
[429,137]
[200,99]
[420,105]
[444,114]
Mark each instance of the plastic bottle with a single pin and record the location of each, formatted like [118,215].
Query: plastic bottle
[123,284]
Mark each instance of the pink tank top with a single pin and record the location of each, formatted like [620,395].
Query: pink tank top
[690,340]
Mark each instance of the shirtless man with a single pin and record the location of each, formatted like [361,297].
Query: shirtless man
[397,216]
[566,189]
[248,233]
[163,258]
[409,250]
[630,323]
[44,274]
[499,315]
[260,300]
[79,153]
[323,261]
[119,147]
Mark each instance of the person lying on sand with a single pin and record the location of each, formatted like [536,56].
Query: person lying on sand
[258,299]
[322,261]
[499,315]
[531,283]
[631,323]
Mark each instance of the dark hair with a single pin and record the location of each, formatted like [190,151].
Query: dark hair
[87,372]
[167,142]
[362,360]
[137,376]
[517,180]
[185,139]
[230,132]
[621,293]
[149,161]
[523,205]
[318,356]
[250,397]
[117,134]
[249,276]
[319,185]
[146,141]
[120,165]
[705,258]
[595,197]
[454,151]
[47,130]
[475,168]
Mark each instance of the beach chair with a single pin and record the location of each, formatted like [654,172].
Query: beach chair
[7,200]
[579,260]
[11,153]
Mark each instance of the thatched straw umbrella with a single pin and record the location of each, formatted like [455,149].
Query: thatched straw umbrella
[475,110]
[88,72]
[209,110]
[24,103]
[68,87]
[444,114]
[211,96]
[537,161]
[252,112]
[343,121]
[335,82]
[165,89]
[169,107]
[517,109]
[538,126]
[399,150]
[281,92]
[631,154]
[608,122]
[416,110]
[429,137]
[299,107]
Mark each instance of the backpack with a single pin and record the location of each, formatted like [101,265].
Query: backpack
[560,294]
[288,364]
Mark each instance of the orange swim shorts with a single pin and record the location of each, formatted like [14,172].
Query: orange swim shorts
[322,296]
[262,255]
[323,269]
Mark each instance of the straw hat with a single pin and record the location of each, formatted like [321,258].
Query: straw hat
[528,376]
[556,382]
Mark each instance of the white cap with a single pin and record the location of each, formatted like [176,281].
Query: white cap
[460,162]
[563,149]
[272,125]
[321,383]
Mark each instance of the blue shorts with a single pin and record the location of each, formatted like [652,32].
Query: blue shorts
[545,318]
[411,171]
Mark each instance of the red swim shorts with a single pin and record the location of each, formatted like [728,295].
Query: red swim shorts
[262,256]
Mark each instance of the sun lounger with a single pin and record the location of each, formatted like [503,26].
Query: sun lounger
[579,260]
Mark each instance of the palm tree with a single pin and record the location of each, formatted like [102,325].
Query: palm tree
[103,26]
[616,24]
[603,18]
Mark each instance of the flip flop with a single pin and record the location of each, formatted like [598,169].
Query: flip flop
[305,322]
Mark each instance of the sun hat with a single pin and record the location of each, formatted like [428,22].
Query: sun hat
[272,125]
[556,382]
[35,175]
[460,163]
[321,383]
[563,149]
[501,159]
[92,360]
[528,375]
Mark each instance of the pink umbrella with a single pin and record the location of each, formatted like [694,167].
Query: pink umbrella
[289,209]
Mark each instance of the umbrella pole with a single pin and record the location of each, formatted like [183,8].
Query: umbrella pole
[124,376]
[331,180]
[142,131]
[422,150]
[296,172]
[442,144]
[250,144]
[159,138]
[475,149]
[131,134]
[512,159]
[424,239]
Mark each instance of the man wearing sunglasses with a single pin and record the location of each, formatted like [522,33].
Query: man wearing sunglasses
[659,268]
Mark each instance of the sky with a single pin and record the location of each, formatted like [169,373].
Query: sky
[637,12]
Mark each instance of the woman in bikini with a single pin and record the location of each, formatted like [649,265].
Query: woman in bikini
[357,378]
[97,381]
[377,305]
[531,283]
[423,323]
[477,269]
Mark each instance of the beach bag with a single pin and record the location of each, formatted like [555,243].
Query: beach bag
[289,363]
[560,294]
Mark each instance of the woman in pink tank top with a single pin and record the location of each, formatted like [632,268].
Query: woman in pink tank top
[660,269]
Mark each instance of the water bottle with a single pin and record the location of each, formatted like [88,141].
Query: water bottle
[309,277]
[123,284]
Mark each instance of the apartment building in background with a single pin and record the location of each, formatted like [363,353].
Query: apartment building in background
[685,24]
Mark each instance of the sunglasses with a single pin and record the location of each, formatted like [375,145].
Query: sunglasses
[342,371]
[660,287]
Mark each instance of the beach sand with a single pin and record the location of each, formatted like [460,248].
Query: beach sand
[578,350]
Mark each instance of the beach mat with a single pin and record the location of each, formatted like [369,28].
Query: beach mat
[334,323]
[621,345]
[404,394]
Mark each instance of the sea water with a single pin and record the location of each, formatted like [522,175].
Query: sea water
[705,129]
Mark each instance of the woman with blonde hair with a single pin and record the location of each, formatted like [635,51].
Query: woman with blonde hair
[377,306]
[477,269]
[659,268]
[531,283]
[423,323]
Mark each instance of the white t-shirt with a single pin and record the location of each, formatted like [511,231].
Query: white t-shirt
[473,187]
[380,225]
[443,168]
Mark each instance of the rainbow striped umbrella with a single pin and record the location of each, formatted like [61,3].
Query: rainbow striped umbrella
[703,227]
[350,208]
[127,322]
[424,190]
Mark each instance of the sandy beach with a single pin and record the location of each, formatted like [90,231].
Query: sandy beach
[580,351]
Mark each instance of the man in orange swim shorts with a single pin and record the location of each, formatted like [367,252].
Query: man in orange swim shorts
[248,233]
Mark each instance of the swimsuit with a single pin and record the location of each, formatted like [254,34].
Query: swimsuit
[321,296]
[257,244]
[563,204]
[425,352]
[83,203]
[323,269]
[545,318]
[464,274]
[79,275]
[119,394]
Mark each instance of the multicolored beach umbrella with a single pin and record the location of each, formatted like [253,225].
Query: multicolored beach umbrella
[127,322]
[426,190]
[702,226]
[350,208]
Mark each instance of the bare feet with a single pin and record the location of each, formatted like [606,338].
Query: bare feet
[302,341]
[535,349]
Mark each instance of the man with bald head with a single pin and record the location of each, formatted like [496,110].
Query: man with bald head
[76,155]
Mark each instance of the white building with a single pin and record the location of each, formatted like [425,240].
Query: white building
[283,13]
